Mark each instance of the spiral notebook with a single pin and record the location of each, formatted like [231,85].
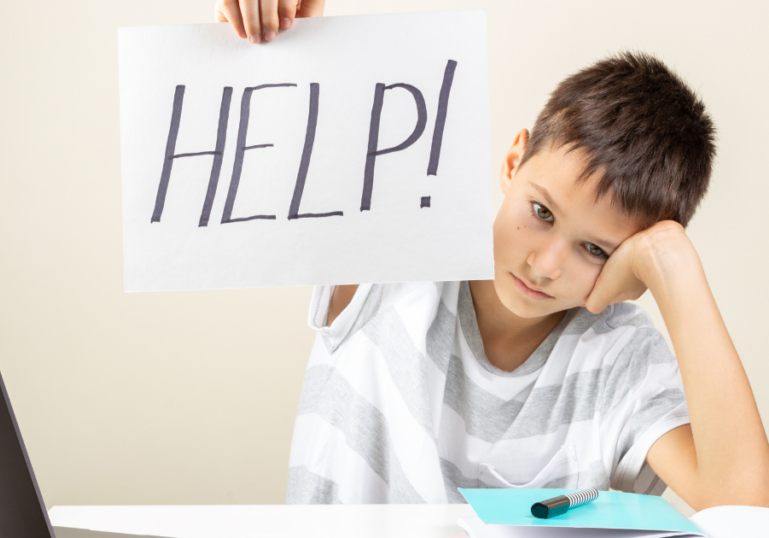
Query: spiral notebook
[506,513]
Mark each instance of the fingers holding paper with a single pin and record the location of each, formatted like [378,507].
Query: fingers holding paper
[229,11]
[260,20]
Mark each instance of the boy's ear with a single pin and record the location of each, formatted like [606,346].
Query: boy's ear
[513,159]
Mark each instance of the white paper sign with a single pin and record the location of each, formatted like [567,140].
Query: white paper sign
[349,150]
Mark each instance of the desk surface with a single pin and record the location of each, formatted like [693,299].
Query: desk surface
[284,521]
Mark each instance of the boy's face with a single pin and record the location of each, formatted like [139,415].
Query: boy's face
[551,236]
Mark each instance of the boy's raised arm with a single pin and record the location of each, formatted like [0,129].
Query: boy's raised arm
[722,458]
[339,301]
[259,20]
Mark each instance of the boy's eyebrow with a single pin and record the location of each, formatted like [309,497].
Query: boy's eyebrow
[551,204]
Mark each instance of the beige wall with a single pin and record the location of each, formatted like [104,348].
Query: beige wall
[189,397]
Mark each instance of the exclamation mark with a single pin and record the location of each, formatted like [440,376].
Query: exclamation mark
[440,123]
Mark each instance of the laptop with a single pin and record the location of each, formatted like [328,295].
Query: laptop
[22,512]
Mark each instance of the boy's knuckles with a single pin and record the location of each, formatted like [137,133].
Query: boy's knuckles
[670,226]
[665,229]
[665,235]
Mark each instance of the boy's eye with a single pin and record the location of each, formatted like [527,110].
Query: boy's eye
[542,212]
[595,250]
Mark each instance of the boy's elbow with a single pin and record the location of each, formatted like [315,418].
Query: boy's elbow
[749,488]
[758,485]
[339,301]
[759,489]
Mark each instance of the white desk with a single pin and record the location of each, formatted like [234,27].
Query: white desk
[264,521]
[284,521]
[359,521]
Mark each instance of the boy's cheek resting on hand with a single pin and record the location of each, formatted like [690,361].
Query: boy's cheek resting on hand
[643,261]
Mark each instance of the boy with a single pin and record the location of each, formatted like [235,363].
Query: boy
[543,377]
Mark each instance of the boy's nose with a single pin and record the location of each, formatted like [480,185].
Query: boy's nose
[547,260]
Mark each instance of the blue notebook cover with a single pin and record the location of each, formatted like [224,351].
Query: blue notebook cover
[611,510]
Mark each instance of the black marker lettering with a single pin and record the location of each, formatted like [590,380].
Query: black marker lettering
[168,162]
[373,135]
[440,118]
[240,150]
[301,178]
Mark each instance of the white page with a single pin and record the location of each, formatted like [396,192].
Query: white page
[478,529]
[728,521]
[174,237]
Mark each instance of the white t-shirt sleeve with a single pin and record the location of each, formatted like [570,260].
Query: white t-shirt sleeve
[644,399]
[362,307]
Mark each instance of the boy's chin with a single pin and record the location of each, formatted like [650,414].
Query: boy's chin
[534,312]
[529,309]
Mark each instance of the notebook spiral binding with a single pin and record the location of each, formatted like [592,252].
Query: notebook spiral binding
[582,497]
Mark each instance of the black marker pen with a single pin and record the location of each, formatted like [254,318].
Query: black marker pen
[559,505]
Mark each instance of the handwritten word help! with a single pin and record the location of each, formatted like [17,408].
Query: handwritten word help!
[373,150]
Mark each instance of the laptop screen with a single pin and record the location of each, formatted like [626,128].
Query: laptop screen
[22,512]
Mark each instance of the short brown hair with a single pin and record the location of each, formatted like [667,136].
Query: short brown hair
[642,127]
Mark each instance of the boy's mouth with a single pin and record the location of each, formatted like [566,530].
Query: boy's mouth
[528,291]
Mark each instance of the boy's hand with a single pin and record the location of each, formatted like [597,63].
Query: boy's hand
[260,20]
[641,261]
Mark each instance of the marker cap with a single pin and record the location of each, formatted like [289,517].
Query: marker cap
[551,507]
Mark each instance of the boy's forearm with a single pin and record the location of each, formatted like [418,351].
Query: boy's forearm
[731,446]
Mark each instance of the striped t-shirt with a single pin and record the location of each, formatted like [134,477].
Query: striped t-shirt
[401,405]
